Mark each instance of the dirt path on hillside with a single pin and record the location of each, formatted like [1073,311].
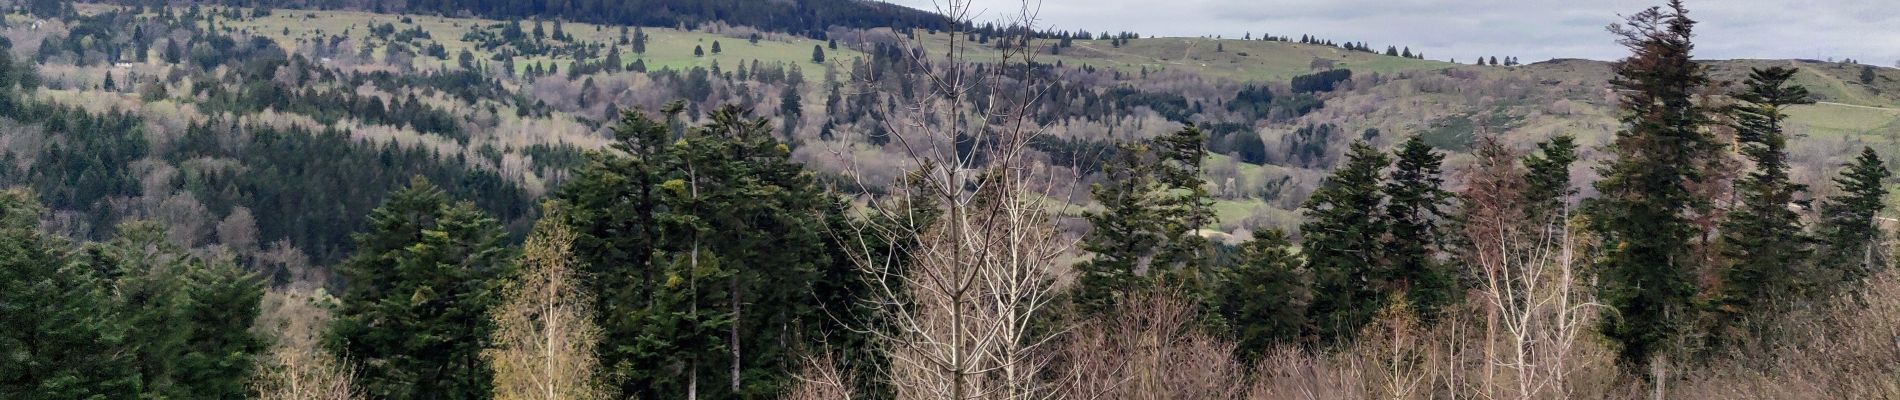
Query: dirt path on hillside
[1858,106]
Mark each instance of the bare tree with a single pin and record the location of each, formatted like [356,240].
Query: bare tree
[305,374]
[820,380]
[1536,308]
[545,337]
[297,368]
[1151,348]
[958,304]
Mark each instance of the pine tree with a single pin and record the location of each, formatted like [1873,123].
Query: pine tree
[698,51]
[1264,297]
[220,349]
[639,41]
[1413,207]
[817,54]
[1547,180]
[1342,232]
[1762,237]
[705,247]
[715,47]
[146,273]
[1153,203]
[415,309]
[62,339]
[1849,237]
[1646,272]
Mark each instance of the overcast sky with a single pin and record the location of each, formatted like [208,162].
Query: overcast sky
[1532,30]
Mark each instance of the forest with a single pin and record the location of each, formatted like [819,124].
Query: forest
[577,200]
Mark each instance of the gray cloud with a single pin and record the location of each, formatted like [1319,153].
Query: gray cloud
[1532,30]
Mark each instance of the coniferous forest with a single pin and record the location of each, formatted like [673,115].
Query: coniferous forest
[338,200]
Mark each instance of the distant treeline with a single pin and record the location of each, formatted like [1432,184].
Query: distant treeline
[806,17]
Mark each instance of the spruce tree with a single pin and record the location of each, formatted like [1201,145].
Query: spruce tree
[146,273]
[1263,298]
[1849,235]
[1152,204]
[1547,180]
[639,41]
[705,247]
[415,307]
[1122,235]
[1762,237]
[220,349]
[63,338]
[817,54]
[1642,217]
[1413,207]
[1342,233]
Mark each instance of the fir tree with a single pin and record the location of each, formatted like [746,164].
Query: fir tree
[639,41]
[1264,297]
[1152,204]
[415,309]
[1762,237]
[1413,207]
[705,247]
[1547,179]
[220,349]
[1342,232]
[817,54]
[1849,251]
[698,51]
[1646,272]
[62,339]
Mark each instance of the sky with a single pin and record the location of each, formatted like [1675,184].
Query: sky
[1532,30]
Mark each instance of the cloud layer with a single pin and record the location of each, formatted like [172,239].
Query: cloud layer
[1532,30]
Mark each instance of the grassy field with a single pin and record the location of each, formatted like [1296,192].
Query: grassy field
[1241,60]
[1844,119]
[668,48]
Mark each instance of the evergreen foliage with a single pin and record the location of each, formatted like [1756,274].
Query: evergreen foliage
[1642,215]
[1849,235]
[1413,266]
[1152,205]
[1263,297]
[1342,232]
[63,337]
[417,296]
[1762,237]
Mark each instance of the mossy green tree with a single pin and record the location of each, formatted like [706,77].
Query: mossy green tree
[1762,238]
[415,307]
[1642,216]
[1412,266]
[1152,204]
[1263,297]
[63,338]
[707,246]
[1849,233]
[1342,234]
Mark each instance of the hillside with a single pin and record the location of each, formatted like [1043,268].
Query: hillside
[805,17]
[530,124]
[836,199]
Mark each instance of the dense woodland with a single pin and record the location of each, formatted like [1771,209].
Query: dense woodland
[194,210]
